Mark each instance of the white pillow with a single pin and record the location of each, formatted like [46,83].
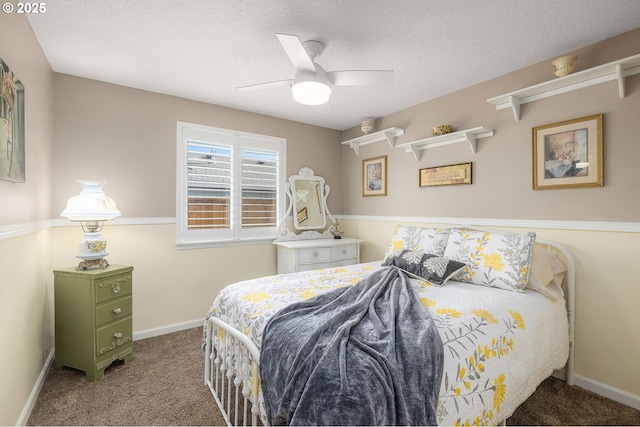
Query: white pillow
[546,275]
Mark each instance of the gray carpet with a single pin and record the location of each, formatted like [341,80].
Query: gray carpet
[164,385]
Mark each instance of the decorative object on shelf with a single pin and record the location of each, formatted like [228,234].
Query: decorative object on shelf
[367,126]
[617,70]
[12,157]
[568,154]
[374,176]
[564,65]
[91,208]
[446,175]
[441,130]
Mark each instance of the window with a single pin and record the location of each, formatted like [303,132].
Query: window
[229,185]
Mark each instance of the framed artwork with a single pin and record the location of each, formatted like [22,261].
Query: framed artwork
[568,154]
[374,176]
[12,157]
[445,175]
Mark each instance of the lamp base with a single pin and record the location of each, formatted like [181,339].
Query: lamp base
[92,264]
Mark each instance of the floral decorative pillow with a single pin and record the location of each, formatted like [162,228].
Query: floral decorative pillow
[432,268]
[423,239]
[499,260]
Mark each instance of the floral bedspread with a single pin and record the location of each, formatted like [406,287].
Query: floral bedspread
[499,345]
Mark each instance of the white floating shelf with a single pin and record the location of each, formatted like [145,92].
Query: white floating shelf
[616,70]
[470,136]
[388,135]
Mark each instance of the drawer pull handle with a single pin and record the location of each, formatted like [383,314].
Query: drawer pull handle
[117,310]
[344,251]
[117,335]
[116,289]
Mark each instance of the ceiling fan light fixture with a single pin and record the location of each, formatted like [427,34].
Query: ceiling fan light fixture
[311,92]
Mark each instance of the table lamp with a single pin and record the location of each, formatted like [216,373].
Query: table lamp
[91,208]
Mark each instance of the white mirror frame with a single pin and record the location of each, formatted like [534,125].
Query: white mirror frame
[310,231]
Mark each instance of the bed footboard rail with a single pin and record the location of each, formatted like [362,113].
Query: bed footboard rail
[232,374]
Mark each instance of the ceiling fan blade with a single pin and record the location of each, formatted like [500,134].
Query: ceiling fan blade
[267,85]
[363,77]
[296,52]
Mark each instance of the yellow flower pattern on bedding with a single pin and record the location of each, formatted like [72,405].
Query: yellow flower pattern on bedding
[478,337]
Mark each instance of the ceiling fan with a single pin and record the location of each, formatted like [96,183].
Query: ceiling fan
[312,84]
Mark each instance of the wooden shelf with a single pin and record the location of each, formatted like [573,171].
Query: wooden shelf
[470,136]
[616,70]
[388,135]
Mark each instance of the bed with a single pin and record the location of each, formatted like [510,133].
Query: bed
[502,308]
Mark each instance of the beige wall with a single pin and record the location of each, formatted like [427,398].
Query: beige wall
[127,137]
[502,166]
[25,259]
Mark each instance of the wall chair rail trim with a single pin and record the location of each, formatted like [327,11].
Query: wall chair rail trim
[622,227]
[11,231]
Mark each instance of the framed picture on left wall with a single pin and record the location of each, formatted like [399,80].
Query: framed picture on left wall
[12,156]
[374,176]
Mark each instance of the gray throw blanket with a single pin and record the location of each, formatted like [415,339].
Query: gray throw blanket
[367,354]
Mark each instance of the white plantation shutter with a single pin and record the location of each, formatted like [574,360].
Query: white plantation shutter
[228,185]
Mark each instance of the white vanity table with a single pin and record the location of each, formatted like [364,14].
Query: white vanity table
[310,249]
[302,255]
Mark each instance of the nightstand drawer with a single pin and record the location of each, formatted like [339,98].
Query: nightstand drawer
[306,256]
[344,252]
[113,310]
[113,336]
[113,287]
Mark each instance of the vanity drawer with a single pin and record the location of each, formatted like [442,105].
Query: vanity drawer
[314,255]
[344,252]
[113,310]
[113,287]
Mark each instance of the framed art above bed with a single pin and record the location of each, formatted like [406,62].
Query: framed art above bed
[568,154]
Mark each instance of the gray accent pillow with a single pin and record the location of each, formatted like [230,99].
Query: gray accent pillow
[434,269]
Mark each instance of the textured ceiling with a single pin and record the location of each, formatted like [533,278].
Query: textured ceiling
[204,49]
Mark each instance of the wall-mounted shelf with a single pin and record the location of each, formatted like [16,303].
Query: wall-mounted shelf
[388,135]
[616,70]
[470,136]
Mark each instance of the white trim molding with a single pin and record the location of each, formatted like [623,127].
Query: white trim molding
[623,227]
[607,391]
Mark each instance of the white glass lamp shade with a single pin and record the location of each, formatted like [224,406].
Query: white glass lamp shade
[91,204]
[310,88]
[311,93]
[91,208]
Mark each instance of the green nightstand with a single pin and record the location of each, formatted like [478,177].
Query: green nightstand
[93,310]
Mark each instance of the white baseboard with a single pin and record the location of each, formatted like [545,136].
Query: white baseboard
[163,330]
[607,391]
[35,392]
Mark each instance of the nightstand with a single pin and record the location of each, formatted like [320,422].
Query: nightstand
[313,254]
[93,311]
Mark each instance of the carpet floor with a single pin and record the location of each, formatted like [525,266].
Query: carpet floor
[164,385]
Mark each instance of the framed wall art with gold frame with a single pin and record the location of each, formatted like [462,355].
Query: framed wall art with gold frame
[374,176]
[568,154]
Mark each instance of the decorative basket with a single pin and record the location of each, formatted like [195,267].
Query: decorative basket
[441,130]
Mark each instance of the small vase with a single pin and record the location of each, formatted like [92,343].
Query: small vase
[367,126]
[564,65]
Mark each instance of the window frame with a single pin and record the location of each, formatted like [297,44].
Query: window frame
[236,235]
